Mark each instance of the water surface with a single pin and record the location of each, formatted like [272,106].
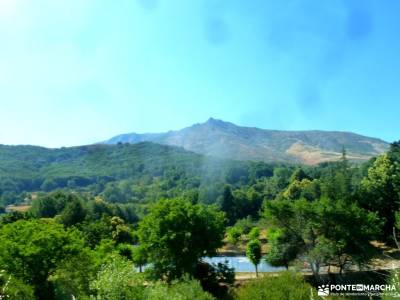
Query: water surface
[242,264]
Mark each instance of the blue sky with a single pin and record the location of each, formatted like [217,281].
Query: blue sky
[80,71]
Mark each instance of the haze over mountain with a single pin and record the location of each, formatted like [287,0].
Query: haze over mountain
[224,139]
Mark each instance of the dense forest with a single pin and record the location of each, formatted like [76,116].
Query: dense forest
[140,173]
[135,221]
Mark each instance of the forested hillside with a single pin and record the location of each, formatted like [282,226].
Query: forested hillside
[142,172]
[97,215]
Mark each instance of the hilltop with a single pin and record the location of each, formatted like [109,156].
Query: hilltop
[227,140]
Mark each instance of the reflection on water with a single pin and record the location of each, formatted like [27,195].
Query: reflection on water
[239,263]
[242,264]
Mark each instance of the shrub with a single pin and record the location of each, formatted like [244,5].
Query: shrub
[287,286]
[254,233]
[234,234]
[245,225]
[117,279]
[179,290]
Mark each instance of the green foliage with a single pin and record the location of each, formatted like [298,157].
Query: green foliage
[74,274]
[245,225]
[324,230]
[117,280]
[126,250]
[283,248]
[286,286]
[305,188]
[73,213]
[215,278]
[254,233]
[299,175]
[227,204]
[139,256]
[14,289]
[253,252]
[32,250]
[13,217]
[177,234]
[120,232]
[178,290]
[310,213]
[397,220]
[394,279]
[140,173]
[51,204]
[233,234]
[247,203]
[96,231]
[380,190]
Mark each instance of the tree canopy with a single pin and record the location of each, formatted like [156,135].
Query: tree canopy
[177,234]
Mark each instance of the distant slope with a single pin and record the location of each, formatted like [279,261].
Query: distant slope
[93,161]
[31,168]
[223,139]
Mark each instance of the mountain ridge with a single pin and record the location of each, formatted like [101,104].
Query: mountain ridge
[225,139]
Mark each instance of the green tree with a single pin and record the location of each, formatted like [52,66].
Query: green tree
[73,213]
[380,190]
[283,248]
[298,175]
[13,216]
[74,274]
[95,231]
[253,252]
[117,280]
[254,233]
[48,185]
[233,234]
[245,225]
[32,250]
[228,204]
[121,233]
[323,231]
[51,204]
[300,189]
[177,234]
[139,256]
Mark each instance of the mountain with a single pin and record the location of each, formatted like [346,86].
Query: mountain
[227,140]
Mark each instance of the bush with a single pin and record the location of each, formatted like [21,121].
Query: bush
[116,280]
[245,225]
[394,279]
[179,290]
[254,233]
[287,286]
[234,234]
[215,278]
